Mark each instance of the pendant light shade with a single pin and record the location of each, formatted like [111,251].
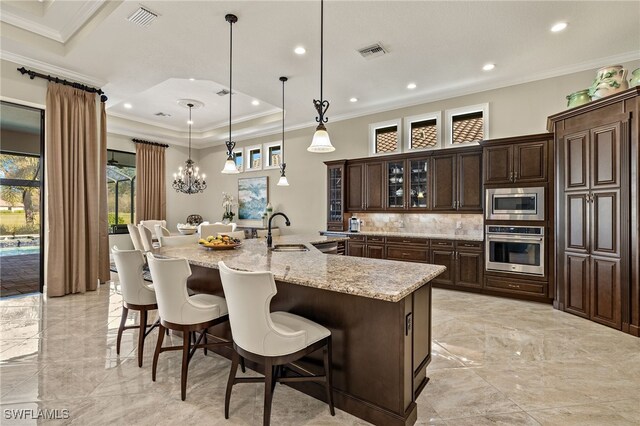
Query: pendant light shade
[321,142]
[283,178]
[230,164]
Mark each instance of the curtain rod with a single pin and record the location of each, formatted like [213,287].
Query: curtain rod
[164,145]
[33,74]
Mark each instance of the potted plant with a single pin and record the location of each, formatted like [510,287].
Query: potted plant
[227,205]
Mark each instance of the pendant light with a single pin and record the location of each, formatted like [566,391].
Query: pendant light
[230,164]
[188,179]
[283,179]
[321,142]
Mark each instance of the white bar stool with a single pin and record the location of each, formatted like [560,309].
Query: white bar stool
[182,313]
[272,339]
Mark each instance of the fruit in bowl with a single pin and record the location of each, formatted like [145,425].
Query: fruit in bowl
[221,241]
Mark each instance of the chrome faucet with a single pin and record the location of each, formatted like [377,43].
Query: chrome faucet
[269,238]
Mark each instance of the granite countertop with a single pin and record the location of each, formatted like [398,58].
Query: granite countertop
[462,237]
[387,280]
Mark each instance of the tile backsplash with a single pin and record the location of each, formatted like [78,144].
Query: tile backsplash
[458,224]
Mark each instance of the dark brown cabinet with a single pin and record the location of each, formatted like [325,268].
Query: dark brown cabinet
[515,161]
[445,257]
[374,186]
[597,218]
[335,196]
[464,261]
[470,268]
[457,182]
[375,251]
[356,248]
[355,187]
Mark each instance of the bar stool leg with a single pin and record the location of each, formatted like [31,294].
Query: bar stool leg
[156,354]
[123,320]
[328,369]
[141,333]
[232,376]
[268,392]
[186,339]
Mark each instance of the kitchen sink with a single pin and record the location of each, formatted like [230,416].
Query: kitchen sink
[289,247]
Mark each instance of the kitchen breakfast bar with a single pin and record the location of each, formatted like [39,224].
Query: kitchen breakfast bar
[378,311]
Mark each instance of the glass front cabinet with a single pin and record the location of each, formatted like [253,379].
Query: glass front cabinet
[418,171]
[407,184]
[335,196]
[396,197]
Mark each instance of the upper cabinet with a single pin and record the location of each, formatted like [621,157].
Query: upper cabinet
[513,161]
[457,182]
[335,196]
[365,186]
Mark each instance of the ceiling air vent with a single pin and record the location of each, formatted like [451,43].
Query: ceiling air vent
[223,92]
[143,17]
[372,51]
[162,114]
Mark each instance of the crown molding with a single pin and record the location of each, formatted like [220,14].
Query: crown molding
[80,18]
[31,26]
[52,69]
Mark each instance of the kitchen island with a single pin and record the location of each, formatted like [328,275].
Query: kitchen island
[379,313]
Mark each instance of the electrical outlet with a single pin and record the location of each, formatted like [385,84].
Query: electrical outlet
[401,224]
[459,224]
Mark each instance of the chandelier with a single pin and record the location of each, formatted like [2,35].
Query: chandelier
[188,179]
[321,142]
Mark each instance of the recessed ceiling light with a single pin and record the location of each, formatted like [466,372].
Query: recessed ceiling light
[353,100]
[559,27]
[128,106]
[255,102]
[189,121]
[300,50]
[192,79]
[411,86]
[488,67]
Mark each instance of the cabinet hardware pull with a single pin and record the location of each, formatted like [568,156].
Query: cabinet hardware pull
[513,285]
[405,254]
[515,176]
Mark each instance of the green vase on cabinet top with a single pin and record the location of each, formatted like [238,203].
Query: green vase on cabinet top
[609,80]
[635,78]
[578,98]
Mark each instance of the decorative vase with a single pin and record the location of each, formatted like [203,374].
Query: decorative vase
[609,80]
[580,97]
[635,78]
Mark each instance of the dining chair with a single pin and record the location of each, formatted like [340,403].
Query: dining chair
[161,231]
[146,237]
[150,224]
[136,295]
[135,237]
[214,229]
[273,339]
[235,234]
[178,240]
[181,312]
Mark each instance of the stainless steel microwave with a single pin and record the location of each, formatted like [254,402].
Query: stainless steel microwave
[515,203]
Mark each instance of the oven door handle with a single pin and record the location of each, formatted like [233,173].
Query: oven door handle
[513,238]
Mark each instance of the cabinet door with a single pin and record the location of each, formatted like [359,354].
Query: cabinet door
[577,222]
[576,161]
[498,164]
[419,188]
[605,156]
[605,229]
[375,251]
[577,284]
[335,197]
[470,182]
[469,269]
[395,184]
[443,177]
[356,249]
[374,186]
[605,291]
[530,162]
[355,187]
[444,258]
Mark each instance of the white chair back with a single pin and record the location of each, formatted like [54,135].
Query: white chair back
[214,229]
[135,237]
[262,233]
[150,224]
[178,240]
[170,282]
[235,234]
[161,231]
[248,296]
[200,226]
[146,237]
[129,264]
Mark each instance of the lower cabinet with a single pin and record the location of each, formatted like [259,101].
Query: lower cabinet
[375,251]
[356,248]
[464,261]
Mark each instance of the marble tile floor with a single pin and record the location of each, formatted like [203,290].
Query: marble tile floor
[495,361]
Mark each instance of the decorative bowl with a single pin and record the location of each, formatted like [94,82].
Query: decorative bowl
[187,231]
[220,246]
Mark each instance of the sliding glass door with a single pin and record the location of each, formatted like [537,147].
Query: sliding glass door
[21,199]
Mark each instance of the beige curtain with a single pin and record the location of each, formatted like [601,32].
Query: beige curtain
[104,274]
[73,190]
[151,201]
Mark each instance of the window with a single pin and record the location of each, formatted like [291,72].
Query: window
[253,158]
[423,132]
[273,155]
[384,138]
[468,125]
[238,157]
[121,187]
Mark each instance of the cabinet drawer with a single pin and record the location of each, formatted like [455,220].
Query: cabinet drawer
[408,240]
[335,227]
[407,254]
[356,237]
[469,245]
[375,239]
[514,286]
[442,243]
